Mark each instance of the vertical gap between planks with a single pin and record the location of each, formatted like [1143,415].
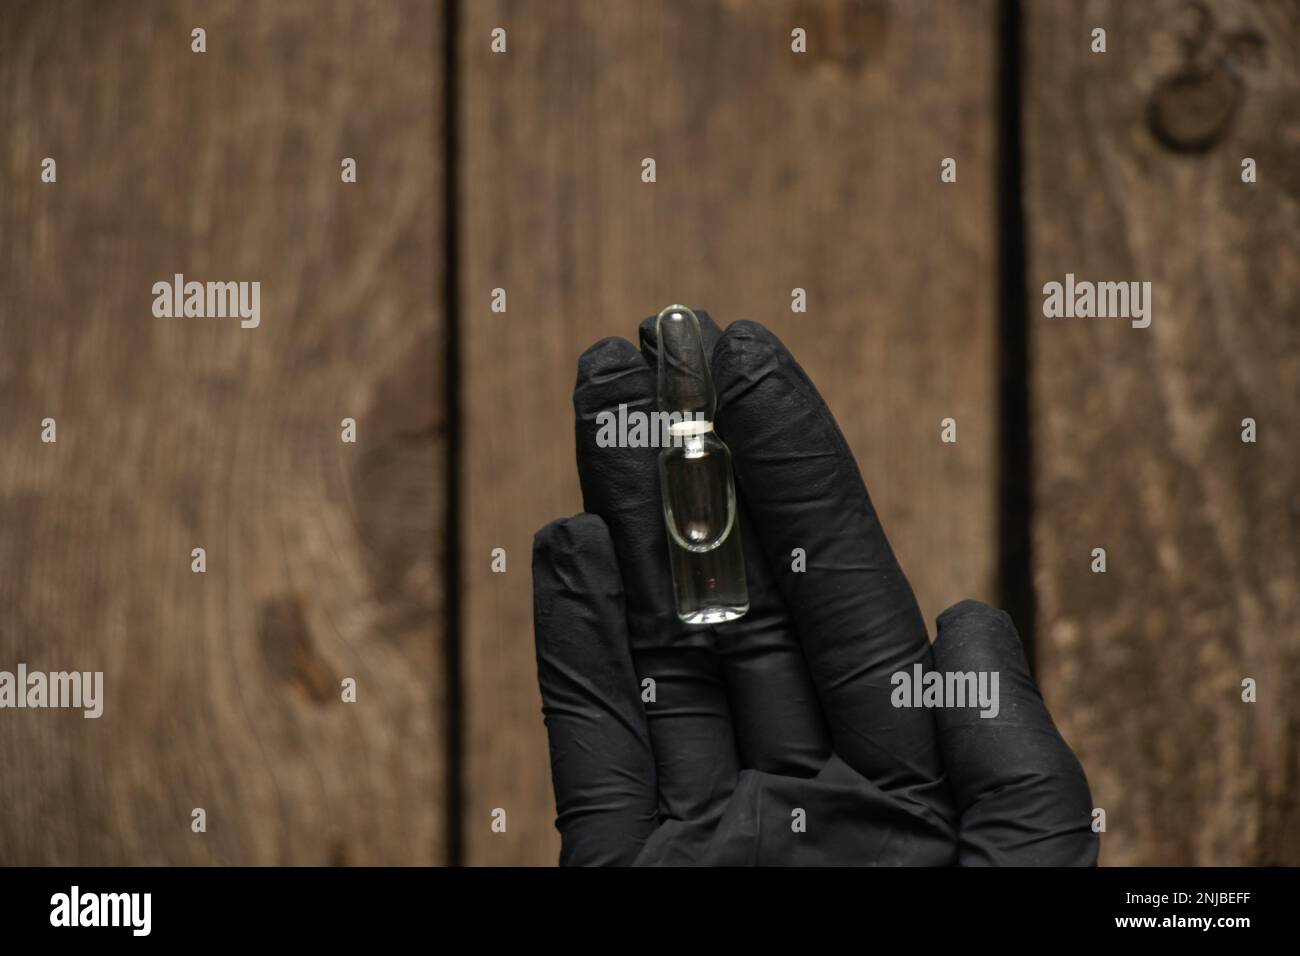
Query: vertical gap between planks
[1015,451]
[454,739]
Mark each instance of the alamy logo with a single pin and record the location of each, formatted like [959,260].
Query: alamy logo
[1102,300]
[208,300]
[75,908]
[58,689]
[922,688]
[638,429]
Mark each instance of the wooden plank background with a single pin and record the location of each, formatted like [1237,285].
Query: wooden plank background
[1134,172]
[223,689]
[774,171]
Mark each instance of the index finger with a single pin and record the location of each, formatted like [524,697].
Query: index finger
[853,608]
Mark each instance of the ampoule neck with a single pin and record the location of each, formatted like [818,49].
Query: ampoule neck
[685,383]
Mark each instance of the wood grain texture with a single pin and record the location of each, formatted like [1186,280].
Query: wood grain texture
[1133,162]
[774,171]
[223,689]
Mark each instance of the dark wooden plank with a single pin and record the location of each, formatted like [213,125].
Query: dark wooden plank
[774,171]
[1134,173]
[223,689]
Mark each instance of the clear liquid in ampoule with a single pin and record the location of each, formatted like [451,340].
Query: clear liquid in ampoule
[695,477]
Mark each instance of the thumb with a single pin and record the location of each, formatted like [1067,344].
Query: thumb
[1021,792]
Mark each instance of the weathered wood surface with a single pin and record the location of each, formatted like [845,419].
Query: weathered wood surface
[774,171]
[223,689]
[1133,163]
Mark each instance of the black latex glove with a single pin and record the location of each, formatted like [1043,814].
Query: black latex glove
[789,708]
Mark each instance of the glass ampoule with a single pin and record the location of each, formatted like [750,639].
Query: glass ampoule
[695,480]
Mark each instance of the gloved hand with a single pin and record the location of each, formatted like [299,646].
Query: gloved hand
[772,739]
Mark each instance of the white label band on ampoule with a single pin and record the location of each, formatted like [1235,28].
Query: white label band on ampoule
[688,428]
